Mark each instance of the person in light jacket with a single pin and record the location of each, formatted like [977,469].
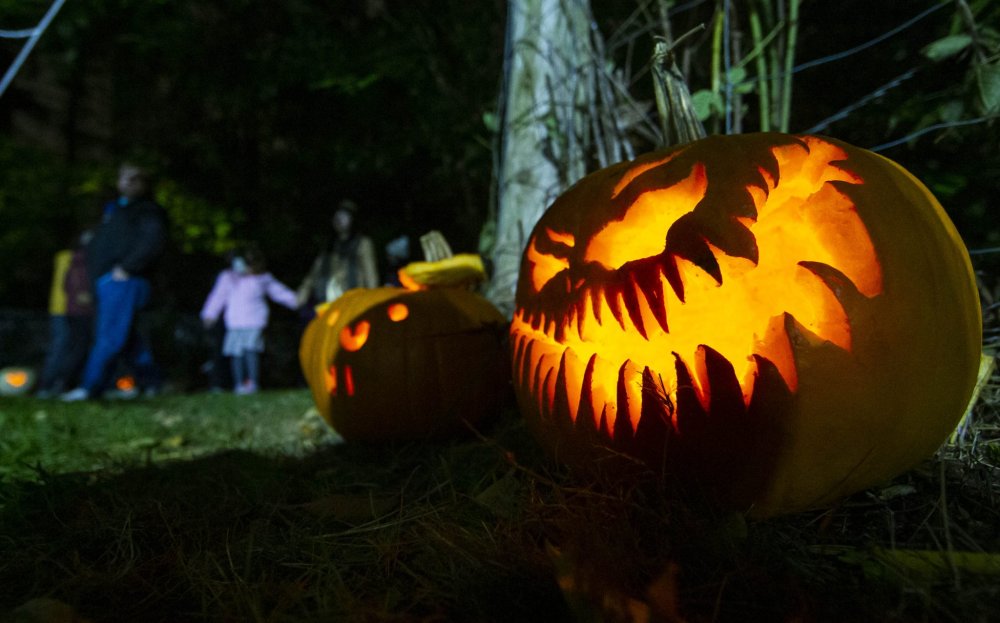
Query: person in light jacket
[240,296]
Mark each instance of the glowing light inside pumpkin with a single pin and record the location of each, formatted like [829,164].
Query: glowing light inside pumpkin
[398,312]
[331,380]
[643,230]
[125,383]
[548,266]
[638,170]
[353,339]
[599,348]
[348,380]
[16,378]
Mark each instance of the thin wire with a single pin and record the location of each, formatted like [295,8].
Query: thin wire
[877,93]
[613,40]
[864,46]
[17,34]
[836,56]
[931,128]
[684,7]
[984,251]
[29,45]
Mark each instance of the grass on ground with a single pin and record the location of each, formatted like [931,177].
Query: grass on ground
[247,509]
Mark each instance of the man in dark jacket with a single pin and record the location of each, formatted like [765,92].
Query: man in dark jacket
[119,259]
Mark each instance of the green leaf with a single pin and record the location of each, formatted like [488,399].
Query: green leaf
[737,75]
[948,46]
[706,103]
[491,121]
[951,111]
[988,80]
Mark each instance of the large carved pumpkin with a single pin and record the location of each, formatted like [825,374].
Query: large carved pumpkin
[777,321]
[390,363]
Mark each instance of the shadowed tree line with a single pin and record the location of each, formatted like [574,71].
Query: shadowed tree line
[260,117]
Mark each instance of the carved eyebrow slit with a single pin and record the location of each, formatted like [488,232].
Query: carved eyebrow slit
[545,266]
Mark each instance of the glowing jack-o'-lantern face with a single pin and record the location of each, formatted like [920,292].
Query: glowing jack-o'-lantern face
[781,320]
[391,363]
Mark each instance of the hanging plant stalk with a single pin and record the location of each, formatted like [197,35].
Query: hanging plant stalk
[716,85]
[763,93]
[773,16]
[786,78]
[734,76]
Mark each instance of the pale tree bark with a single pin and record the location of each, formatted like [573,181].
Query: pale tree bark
[549,83]
[565,110]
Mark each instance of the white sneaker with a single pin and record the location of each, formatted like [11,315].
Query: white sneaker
[75,395]
[248,387]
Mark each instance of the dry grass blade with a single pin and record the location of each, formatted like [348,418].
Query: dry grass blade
[483,528]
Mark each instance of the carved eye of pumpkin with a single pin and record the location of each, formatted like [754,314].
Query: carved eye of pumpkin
[398,312]
[554,260]
[734,301]
[352,338]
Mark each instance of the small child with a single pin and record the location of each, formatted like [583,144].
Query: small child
[241,291]
[71,310]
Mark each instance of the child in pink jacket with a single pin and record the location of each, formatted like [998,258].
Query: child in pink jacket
[240,295]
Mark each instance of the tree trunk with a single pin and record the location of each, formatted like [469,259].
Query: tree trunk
[548,83]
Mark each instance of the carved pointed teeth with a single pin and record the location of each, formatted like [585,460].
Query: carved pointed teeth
[641,287]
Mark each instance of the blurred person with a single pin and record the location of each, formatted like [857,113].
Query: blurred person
[120,258]
[240,296]
[71,311]
[397,255]
[348,262]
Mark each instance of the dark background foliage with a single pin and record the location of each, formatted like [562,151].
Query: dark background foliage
[261,116]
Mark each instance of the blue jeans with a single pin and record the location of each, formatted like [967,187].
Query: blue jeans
[115,334]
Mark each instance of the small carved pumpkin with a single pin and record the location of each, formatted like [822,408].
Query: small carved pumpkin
[390,363]
[16,381]
[775,321]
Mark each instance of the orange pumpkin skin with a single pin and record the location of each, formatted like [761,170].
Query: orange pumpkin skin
[775,321]
[389,363]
